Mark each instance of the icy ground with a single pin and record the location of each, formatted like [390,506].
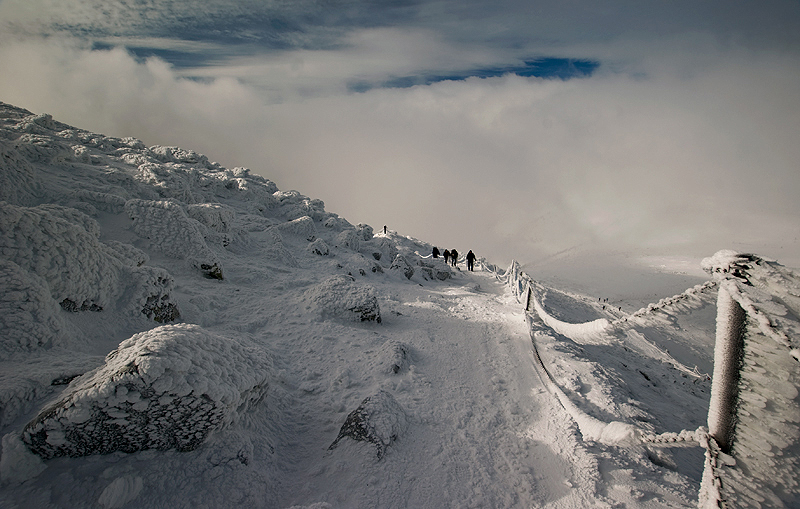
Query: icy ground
[299,319]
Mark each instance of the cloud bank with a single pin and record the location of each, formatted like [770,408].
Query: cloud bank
[678,144]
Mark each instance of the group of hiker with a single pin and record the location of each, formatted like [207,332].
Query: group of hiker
[451,257]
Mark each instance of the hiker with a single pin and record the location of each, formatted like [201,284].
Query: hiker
[470,260]
[454,257]
[384,229]
[435,252]
[446,256]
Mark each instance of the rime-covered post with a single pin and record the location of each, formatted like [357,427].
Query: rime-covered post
[728,353]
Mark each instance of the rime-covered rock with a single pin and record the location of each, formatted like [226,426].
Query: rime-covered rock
[56,250]
[319,247]
[394,356]
[340,297]
[215,216]
[435,269]
[174,233]
[301,227]
[400,263]
[167,388]
[349,239]
[365,231]
[29,317]
[379,420]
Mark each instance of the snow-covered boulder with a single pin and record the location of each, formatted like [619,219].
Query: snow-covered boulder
[62,247]
[18,182]
[167,388]
[29,317]
[178,155]
[215,216]
[340,297]
[379,420]
[52,256]
[394,356]
[174,233]
[319,247]
[302,227]
[401,264]
[383,245]
[434,268]
[151,293]
[349,239]
[293,205]
[365,231]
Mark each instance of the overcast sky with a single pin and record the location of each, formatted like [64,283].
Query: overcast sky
[530,130]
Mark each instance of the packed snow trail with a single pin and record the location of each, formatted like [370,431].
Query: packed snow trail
[483,431]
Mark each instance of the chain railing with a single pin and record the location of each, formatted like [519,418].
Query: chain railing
[752,442]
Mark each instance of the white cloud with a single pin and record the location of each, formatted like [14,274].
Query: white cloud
[686,156]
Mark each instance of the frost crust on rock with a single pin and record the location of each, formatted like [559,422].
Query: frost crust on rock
[174,233]
[167,388]
[379,420]
[339,297]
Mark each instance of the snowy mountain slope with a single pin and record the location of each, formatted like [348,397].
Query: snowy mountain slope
[333,313]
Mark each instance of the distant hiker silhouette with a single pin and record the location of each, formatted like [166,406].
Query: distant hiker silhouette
[384,229]
[435,252]
[470,260]
[454,257]
[446,256]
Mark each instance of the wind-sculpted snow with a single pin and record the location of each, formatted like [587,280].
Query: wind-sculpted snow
[573,330]
[168,388]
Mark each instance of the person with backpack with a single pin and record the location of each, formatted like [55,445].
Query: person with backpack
[454,257]
[446,256]
[435,252]
[470,260]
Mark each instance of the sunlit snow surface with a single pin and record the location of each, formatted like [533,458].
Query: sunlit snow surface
[298,317]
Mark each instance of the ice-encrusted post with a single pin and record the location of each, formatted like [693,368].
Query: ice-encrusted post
[728,353]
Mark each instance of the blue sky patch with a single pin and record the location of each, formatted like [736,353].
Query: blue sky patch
[550,67]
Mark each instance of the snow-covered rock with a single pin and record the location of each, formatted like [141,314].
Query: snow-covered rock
[56,250]
[383,245]
[302,227]
[167,388]
[340,297]
[401,264]
[18,182]
[215,216]
[365,231]
[174,233]
[349,239]
[379,420]
[394,356]
[319,247]
[435,268]
[29,316]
